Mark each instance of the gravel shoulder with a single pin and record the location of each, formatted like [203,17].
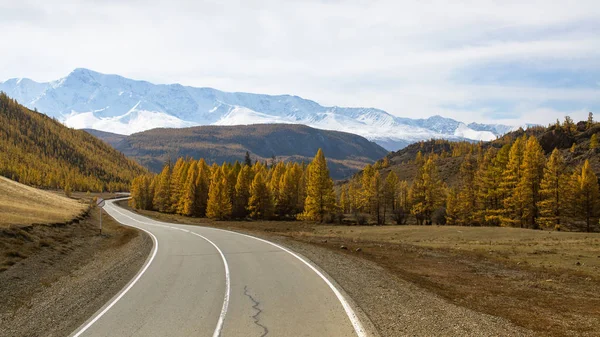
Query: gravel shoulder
[396,307]
[71,274]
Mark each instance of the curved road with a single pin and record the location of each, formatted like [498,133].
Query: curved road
[202,281]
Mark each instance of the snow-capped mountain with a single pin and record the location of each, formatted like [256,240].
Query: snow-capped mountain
[87,99]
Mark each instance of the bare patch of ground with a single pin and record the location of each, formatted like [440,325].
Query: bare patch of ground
[453,281]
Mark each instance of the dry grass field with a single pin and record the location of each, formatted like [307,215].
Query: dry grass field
[24,205]
[548,282]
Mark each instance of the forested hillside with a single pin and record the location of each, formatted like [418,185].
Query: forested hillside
[347,153]
[544,177]
[39,151]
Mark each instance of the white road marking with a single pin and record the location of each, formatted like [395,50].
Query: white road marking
[225,306]
[358,328]
[131,284]
[217,332]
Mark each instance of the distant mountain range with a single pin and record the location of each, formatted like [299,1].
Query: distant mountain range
[88,99]
[346,153]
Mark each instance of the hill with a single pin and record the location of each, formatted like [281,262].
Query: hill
[452,154]
[25,205]
[40,151]
[88,99]
[346,153]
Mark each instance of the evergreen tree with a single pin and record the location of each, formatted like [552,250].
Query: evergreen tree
[426,192]
[189,200]
[247,160]
[376,198]
[585,202]
[513,203]
[320,198]
[594,142]
[590,121]
[532,173]
[162,196]
[345,200]
[242,192]
[178,176]
[260,205]
[466,196]
[219,204]
[366,190]
[202,187]
[390,193]
[552,191]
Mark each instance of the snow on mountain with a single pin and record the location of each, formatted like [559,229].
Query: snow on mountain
[87,99]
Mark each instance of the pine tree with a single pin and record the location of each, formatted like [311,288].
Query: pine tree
[590,121]
[532,173]
[513,203]
[426,192]
[594,142]
[345,200]
[189,200]
[247,160]
[390,192]
[552,192]
[376,198]
[242,192]
[366,190]
[202,187]
[488,180]
[162,196]
[289,190]
[320,198]
[585,202]
[178,176]
[219,204]
[466,196]
[260,205]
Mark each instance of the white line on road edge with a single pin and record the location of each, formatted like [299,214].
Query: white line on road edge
[358,328]
[225,306]
[217,332]
[131,284]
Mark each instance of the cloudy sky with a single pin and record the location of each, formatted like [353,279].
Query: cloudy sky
[505,61]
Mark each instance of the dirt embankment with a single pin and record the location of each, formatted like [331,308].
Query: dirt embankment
[54,277]
[414,280]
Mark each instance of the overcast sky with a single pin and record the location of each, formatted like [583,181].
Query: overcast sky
[506,61]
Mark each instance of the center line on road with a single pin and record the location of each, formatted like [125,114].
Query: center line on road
[220,322]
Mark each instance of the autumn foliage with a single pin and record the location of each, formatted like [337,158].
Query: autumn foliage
[235,191]
[39,151]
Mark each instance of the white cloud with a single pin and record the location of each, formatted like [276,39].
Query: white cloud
[401,56]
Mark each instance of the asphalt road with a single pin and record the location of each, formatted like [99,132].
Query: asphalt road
[202,281]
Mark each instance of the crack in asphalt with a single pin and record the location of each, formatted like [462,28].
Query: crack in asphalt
[259,311]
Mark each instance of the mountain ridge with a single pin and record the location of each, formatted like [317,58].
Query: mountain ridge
[88,99]
[346,152]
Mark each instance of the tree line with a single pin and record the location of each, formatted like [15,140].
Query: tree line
[513,186]
[237,191]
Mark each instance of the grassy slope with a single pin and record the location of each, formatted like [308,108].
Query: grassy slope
[40,151]
[24,205]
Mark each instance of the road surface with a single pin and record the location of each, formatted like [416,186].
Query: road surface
[208,282]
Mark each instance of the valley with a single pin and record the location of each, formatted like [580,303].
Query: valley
[346,152]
